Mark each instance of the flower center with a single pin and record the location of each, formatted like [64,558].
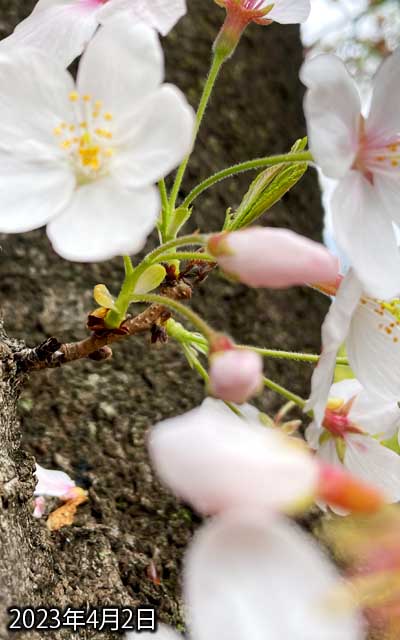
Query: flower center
[376,154]
[387,316]
[250,10]
[88,143]
[336,419]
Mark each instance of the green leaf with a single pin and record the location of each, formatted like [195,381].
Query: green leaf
[150,279]
[267,189]
[103,297]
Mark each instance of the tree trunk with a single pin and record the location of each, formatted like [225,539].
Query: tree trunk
[90,419]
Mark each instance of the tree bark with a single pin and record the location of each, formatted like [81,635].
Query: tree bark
[91,419]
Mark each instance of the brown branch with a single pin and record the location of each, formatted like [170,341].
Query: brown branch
[51,353]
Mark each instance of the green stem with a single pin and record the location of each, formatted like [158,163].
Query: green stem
[128,266]
[249,165]
[215,68]
[186,312]
[289,355]
[117,315]
[186,255]
[182,241]
[274,386]
[164,207]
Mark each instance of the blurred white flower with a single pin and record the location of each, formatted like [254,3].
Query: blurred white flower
[63,28]
[216,460]
[247,577]
[84,159]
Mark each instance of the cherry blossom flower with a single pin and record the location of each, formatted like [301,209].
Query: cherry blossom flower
[53,483]
[276,258]
[236,375]
[352,429]
[63,28]
[362,152]
[84,159]
[244,576]
[370,329]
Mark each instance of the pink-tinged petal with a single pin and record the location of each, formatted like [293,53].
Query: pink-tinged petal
[247,576]
[370,461]
[104,220]
[334,331]
[61,30]
[373,348]
[122,65]
[32,193]
[217,461]
[161,15]
[235,375]
[359,221]
[384,114]
[274,258]
[332,108]
[40,507]
[52,483]
[289,11]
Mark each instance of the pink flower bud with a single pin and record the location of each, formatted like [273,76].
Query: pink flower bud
[274,258]
[235,375]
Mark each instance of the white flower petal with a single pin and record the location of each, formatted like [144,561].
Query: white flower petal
[33,100]
[289,11]
[52,483]
[122,65]
[162,15]
[328,452]
[384,114]
[61,30]
[32,193]
[359,220]
[372,462]
[375,416]
[247,577]
[334,331]
[373,349]
[216,461]
[387,186]
[103,220]
[346,389]
[313,434]
[332,108]
[159,135]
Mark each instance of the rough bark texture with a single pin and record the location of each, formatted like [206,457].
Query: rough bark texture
[90,420]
